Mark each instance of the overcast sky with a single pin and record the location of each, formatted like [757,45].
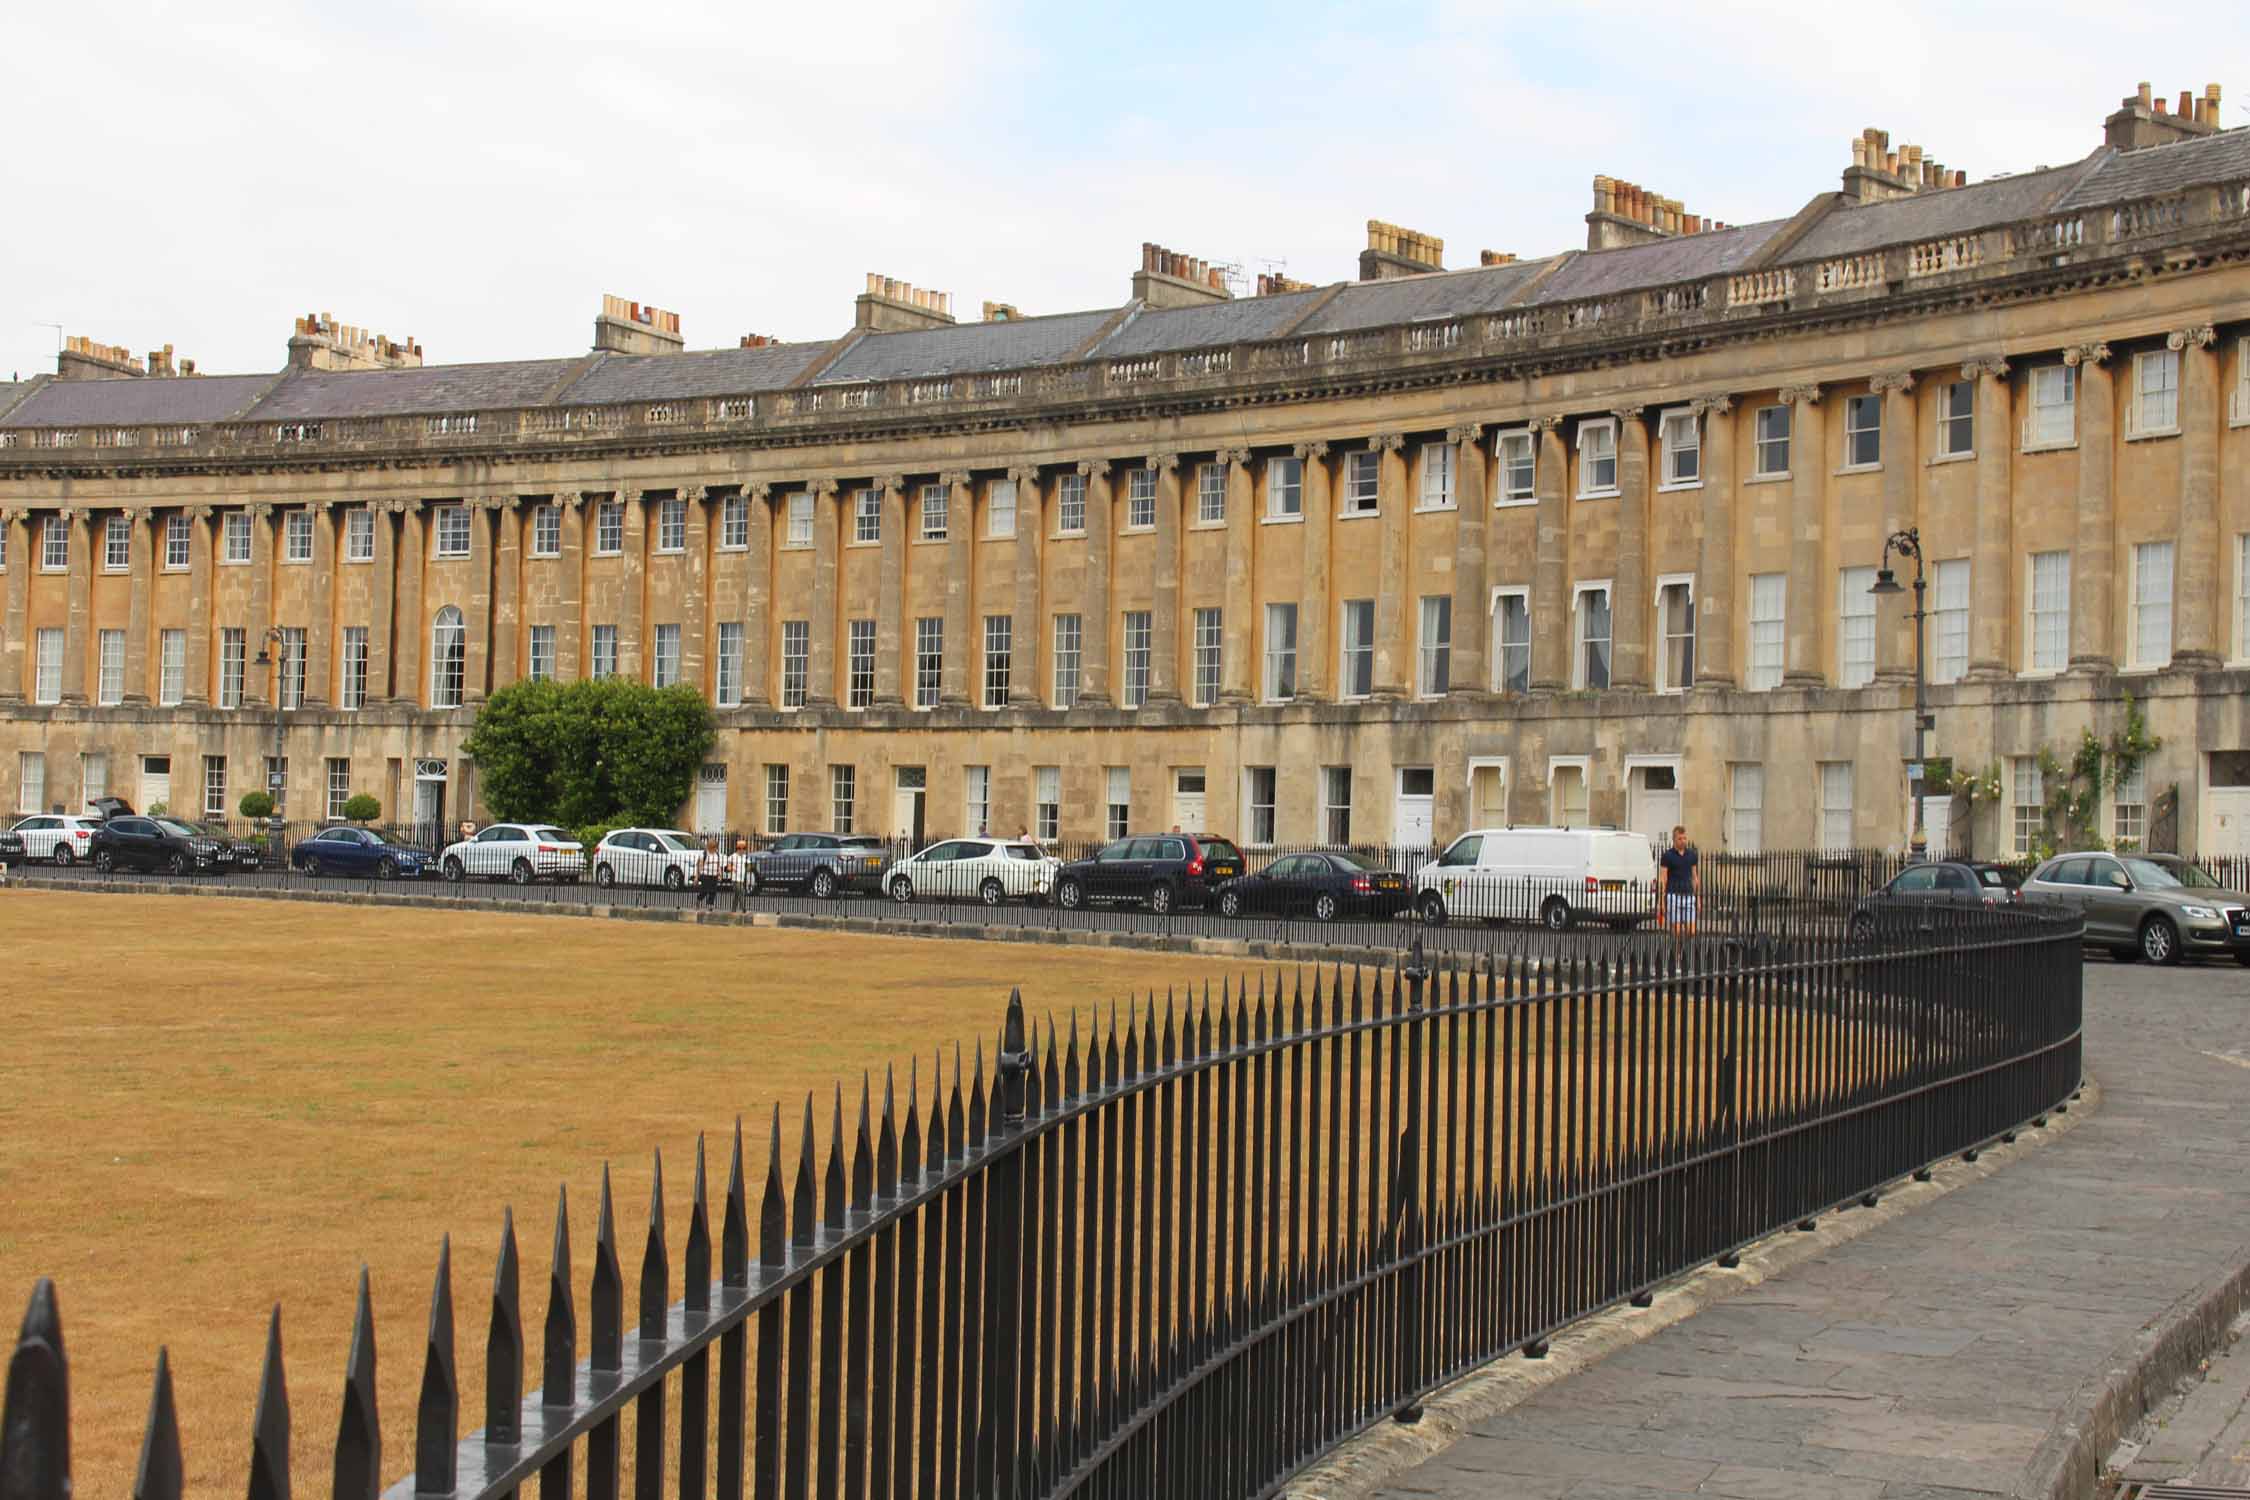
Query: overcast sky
[476,173]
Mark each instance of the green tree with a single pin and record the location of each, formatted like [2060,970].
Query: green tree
[588,753]
[362,808]
[256,805]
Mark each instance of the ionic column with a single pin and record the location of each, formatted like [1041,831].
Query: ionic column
[476,608]
[1990,573]
[1472,607]
[1239,635]
[197,688]
[1808,456]
[1314,606]
[960,569]
[570,623]
[1094,622]
[18,582]
[1629,601]
[693,593]
[262,555]
[320,630]
[757,648]
[890,595]
[1394,649]
[411,627]
[2196,640]
[1714,558]
[1024,654]
[1550,590]
[2093,645]
[820,662]
[142,561]
[1894,642]
[1164,607]
[632,588]
[507,589]
[79,526]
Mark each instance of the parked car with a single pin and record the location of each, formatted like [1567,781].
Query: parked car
[827,864]
[1946,882]
[57,839]
[646,856]
[1554,875]
[2152,906]
[345,850]
[11,848]
[991,870]
[518,852]
[105,808]
[1167,871]
[171,845]
[1324,886]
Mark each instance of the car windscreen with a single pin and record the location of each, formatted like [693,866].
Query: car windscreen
[2006,880]
[676,841]
[1352,862]
[1023,851]
[552,836]
[2149,875]
[863,842]
[2191,876]
[184,830]
[1220,849]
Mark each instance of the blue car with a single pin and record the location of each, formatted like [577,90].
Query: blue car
[361,852]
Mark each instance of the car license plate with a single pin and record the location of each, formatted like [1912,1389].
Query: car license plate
[1613,885]
[1224,872]
[1391,883]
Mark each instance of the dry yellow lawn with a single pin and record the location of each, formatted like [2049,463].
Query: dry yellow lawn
[208,1107]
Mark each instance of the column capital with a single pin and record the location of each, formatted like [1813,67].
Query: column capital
[1467,434]
[891,484]
[1625,414]
[1891,380]
[1715,406]
[68,513]
[2198,336]
[1387,442]
[1094,468]
[759,489]
[199,512]
[1991,365]
[262,509]
[820,489]
[569,499]
[1546,424]
[1308,450]
[1166,462]
[1801,395]
[1234,455]
[693,494]
[2086,354]
[1024,473]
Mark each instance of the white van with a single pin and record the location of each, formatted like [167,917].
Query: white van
[1548,875]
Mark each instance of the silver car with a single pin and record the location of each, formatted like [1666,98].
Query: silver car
[2152,906]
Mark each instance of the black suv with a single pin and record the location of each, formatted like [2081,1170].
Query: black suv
[827,864]
[140,843]
[1166,870]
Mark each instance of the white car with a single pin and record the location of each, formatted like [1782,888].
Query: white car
[988,870]
[64,840]
[647,856]
[521,852]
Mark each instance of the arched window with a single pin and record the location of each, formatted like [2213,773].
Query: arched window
[449,659]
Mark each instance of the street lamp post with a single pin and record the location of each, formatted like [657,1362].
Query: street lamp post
[1908,543]
[276,662]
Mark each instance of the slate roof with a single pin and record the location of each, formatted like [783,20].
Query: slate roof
[12,391]
[2164,169]
[1156,330]
[703,372]
[1440,294]
[1691,257]
[432,388]
[1852,228]
[967,347]
[129,401]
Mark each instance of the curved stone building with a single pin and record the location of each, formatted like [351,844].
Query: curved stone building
[1586,537]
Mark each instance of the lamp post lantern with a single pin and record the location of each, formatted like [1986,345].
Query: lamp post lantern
[1908,543]
[275,662]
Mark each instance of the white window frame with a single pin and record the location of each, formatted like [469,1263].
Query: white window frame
[976,800]
[1665,582]
[729,685]
[1354,646]
[2129,808]
[1956,434]
[936,503]
[1070,503]
[351,667]
[2053,389]
[1856,650]
[297,537]
[929,660]
[339,786]
[1140,499]
[109,680]
[1581,642]
[2154,412]
[1505,444]
[117,544]
[171,667]
[999,510]
[664,657]
[1135,660]
[541,649]
[843,796]
[215,786]
[1768,446]
[31,789]
[1669,423]
[1440,471]
[2140,610]
[798,520]
[54,545]
[546,531]
[2238,408]
[233,648]
[1117,801]
[734,523]
[1046,803]
[2027,819]
[1336,804]
[859,663]
[1762,676]
[1433,659]
[450,533]
[1285,488]
[1737,837]
[359,535]
[1949,619]
[1361,493]
[1260,818]
[179,541]
[1207,659]
[777,797]
[292,666]
[1498,625]
[1068,633]
[867,517]
[1596,445]
[449,656]
[999,659]
[47,671]
[1558,813]
[2053,614]
[1211,494]
[2241,597]
[796,662]
[1828,811]
[609,528]
[1855,406]
[1278,679]
[602,653]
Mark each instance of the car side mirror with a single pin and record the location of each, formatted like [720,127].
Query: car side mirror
[2119,880]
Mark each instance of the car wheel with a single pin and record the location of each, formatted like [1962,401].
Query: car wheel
[1433,910]
[824,884]
[453,870]
[386,869]
[2160,941]
[992,892]
[1160,900]
[1230,904]
[63,855]
[674,880]
[902,890]
[105,862]
[604,876]
[177,864]
[1557,915]
[1070,895]
[520,872]
[312,865]
[1324,907]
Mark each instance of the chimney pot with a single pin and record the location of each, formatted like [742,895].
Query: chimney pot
[2187,104]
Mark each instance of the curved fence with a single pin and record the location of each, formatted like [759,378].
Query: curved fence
[1186,1249]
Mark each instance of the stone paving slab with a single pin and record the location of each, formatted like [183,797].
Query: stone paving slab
[1945,1353]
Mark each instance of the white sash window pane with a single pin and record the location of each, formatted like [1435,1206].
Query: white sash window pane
[453,531]
[110,687]
[929,660]
[796,654]
[843,796]
[2156,386]
[171,668]
[1513,631]
[292,666]
[867,515]
[934,502]
[1518,469]
[176,536]
[2030,804]
[1957,419]
[2049,643]
[1046,802]
[1593,639]
[1136,658]
[351,687]
[734,522]
[1683,448]
[1597,457]
[1285,487]
[671,525]
[609,528]
[1210,493]
[2152,604]
[664,666]
[1436,655]
[1437,476]
[1855,628]
[1281,653]
[1769,599]
[231,659]
[1863,431]
[1066,658]
[730,664]
[604,663]
[359,539]
[1000,508]
[449,658]
[1070,503]
[1746,809]
[117,541]
[1363,483]
[1209,644]
[1140,503]
[999,638]
[2054,406]
[1117,801]
[1773,440]
[31,781]
[542,653]
[777,799]
[860,665]
[1836,804]
[1949,621]
[1357,677]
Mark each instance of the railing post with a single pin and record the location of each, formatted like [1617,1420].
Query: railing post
[1406,1203]
[1004,1250]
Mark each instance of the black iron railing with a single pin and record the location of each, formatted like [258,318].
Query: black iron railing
[1186,1250]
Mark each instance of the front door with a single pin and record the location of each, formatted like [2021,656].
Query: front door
[156,782]
[429,804]
[1488,796]
[1937,826]
[711,799]
[1655,795]
[907,803]
[1188,799]
[1414,815]
[2227,812]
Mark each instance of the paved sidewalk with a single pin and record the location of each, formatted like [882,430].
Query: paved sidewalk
[1945,1354]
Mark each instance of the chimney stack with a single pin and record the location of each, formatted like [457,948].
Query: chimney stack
[1625,213]
[1394,251]
[635,328]
[2144,118]
[319,342]
[1878,173]
[889,305]
[1169,279]
[83,359]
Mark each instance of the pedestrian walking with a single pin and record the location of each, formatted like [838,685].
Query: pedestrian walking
[708,868]
[1683,882]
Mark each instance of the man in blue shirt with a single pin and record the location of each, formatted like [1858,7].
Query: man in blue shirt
[1683,882]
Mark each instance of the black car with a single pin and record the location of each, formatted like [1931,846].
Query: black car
[1165,870]
[11,848]
[170,845]
[1325,886]
[1944,882]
